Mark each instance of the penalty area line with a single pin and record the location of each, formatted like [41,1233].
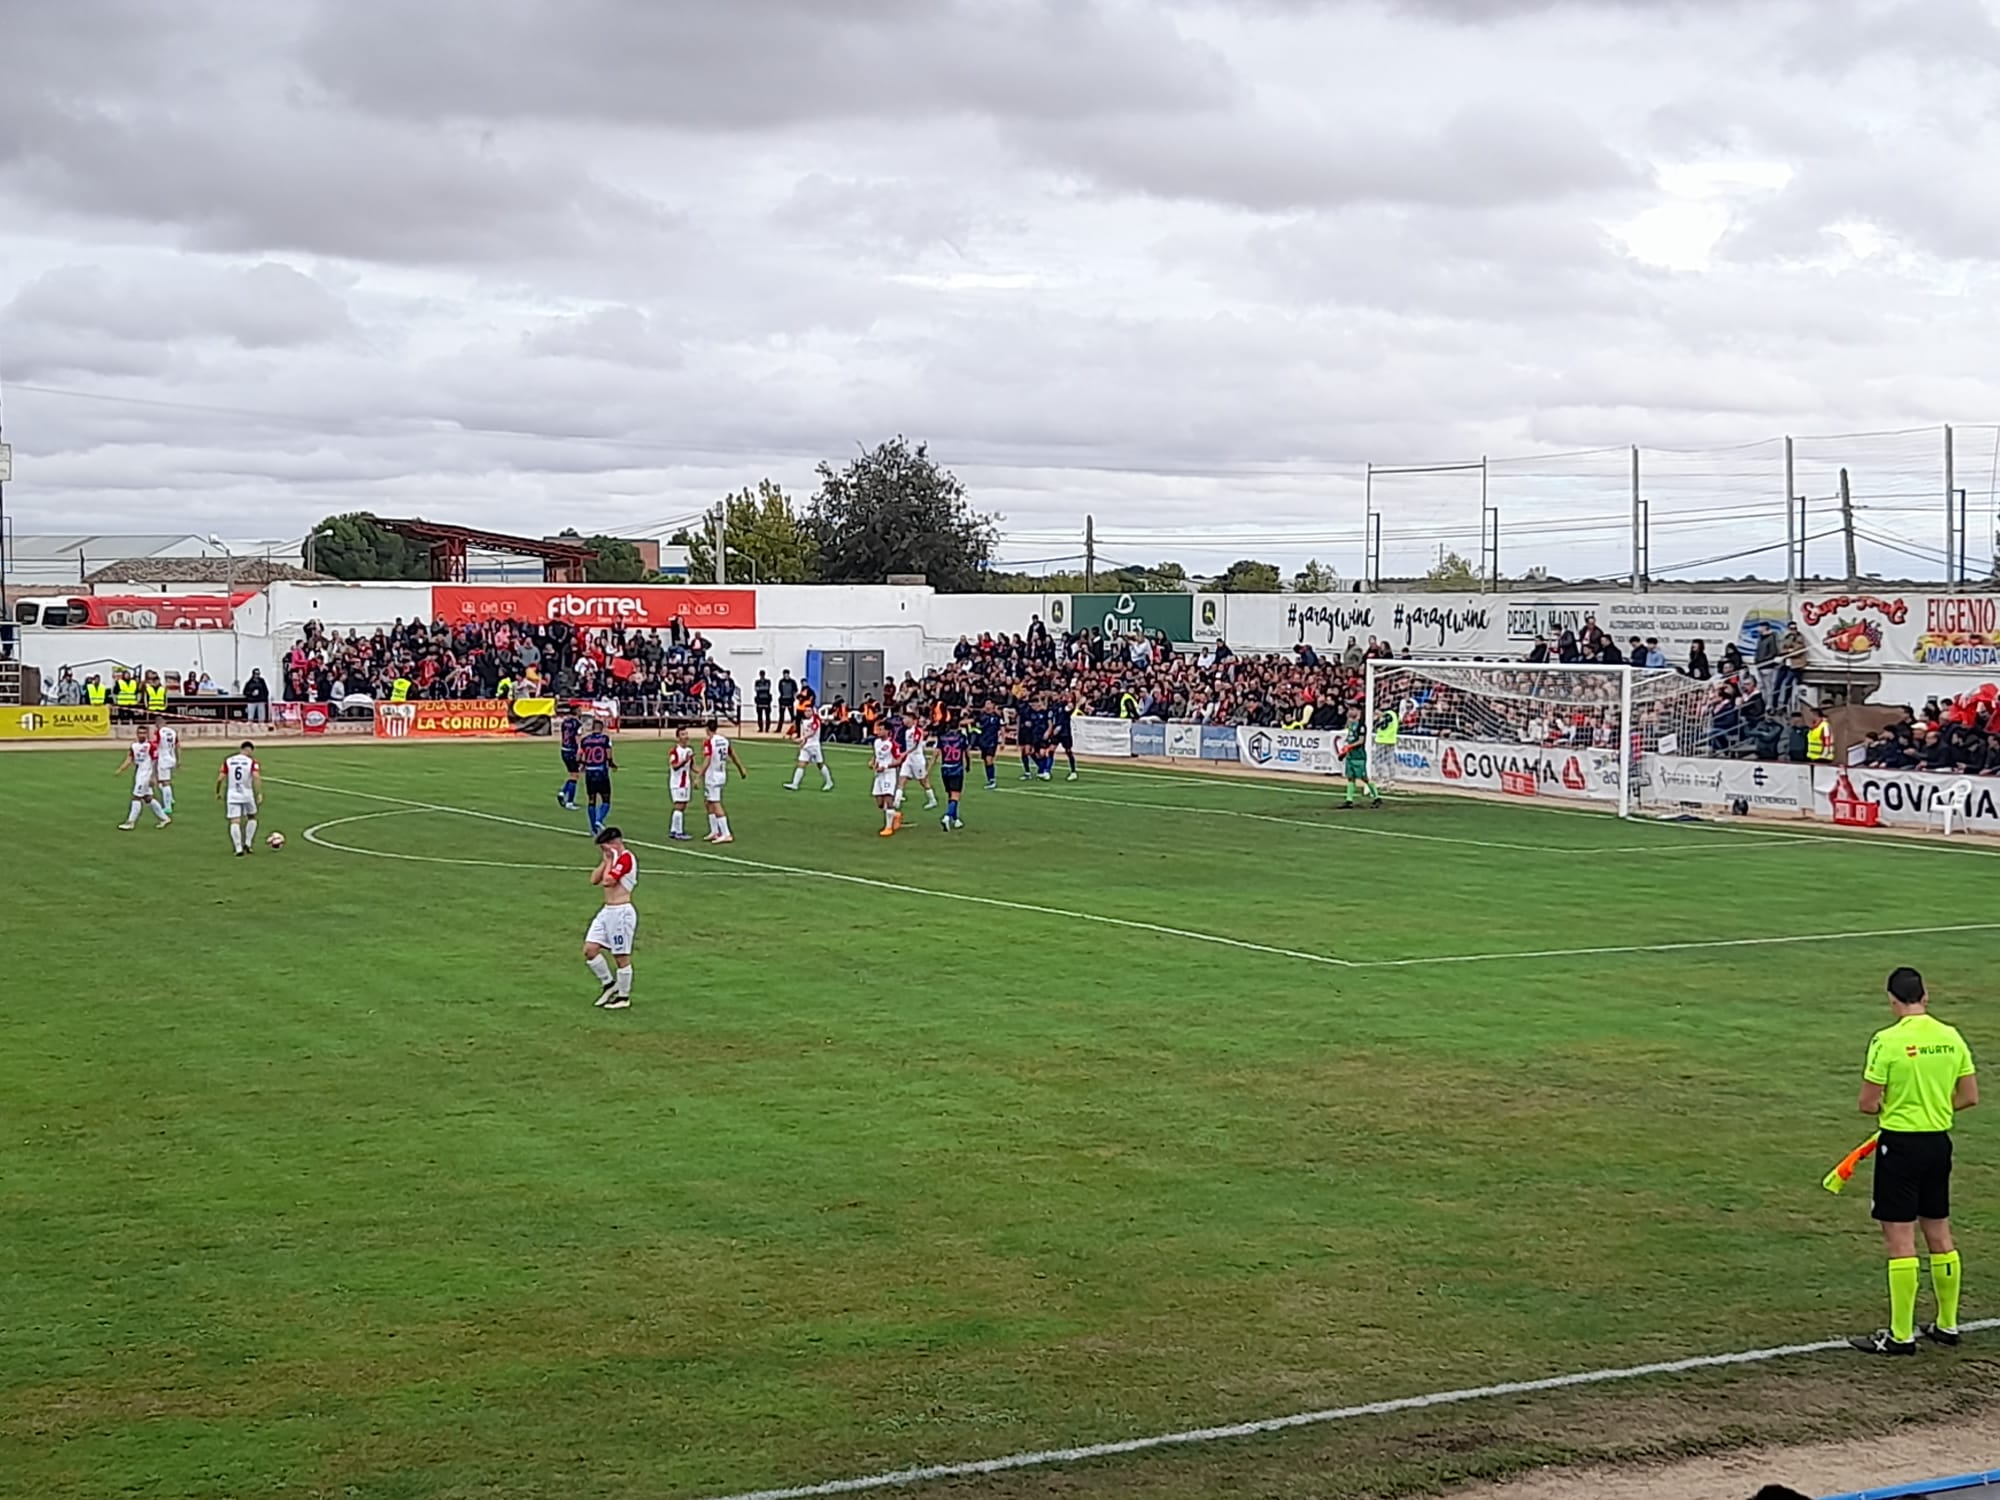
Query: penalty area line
[767,867]
[1051,1457]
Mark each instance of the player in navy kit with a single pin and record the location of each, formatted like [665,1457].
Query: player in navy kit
[1031,722]
[571,729]
[594,752]
[989,742]
[1061,733]
[952,753]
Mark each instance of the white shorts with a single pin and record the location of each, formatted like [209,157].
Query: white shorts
[142,787]
[810,754]
[680,791]
[613,928]
[712,786]
[914,768]
[167,767]
[242,807]
[885,783]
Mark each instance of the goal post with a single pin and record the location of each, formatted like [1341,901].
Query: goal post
[1579,733]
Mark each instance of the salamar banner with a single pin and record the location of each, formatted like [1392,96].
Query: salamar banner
[637,606]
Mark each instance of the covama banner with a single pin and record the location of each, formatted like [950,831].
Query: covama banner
[1912,799]
[1576,775]
[1767,786]
[1314,752]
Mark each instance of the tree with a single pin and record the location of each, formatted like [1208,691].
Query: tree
[762,528]
[354,547]
[1247,577]
[1315,578]
[1452,572]
[894,510]
[617,561]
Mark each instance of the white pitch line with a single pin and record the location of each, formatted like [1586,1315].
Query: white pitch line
[881,885]
[1190,934]
[313,836]
[1047,1457]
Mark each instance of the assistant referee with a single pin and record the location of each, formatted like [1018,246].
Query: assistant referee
[1919,1075]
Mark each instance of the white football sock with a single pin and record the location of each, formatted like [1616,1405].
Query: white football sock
[798,772]
[677,828]
[236,837]
[722,826]
[158,811]
[133,816]
[167,798]
[625,982]
[600,967]
[712,821]
[888,817]
[930,798]
[823,771]
[899,795]
[249,832]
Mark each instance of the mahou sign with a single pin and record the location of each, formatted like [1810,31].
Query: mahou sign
[638,606]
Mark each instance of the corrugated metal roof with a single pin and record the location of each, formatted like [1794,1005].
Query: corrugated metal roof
[31,546]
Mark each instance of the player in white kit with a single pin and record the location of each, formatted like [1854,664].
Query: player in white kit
[240,786]
[166,759]
[810,753]
[915,767]
[680,784]
[885,759]
[616,924]
[718,756]
[139,761]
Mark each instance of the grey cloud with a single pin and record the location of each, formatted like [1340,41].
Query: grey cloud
[259,307]
[877,217]
[1484,155]
[758,64]
[619,335]
[1939,210]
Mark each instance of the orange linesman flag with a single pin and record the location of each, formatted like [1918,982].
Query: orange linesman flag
[1841,1175]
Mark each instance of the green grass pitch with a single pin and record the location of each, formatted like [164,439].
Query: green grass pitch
[320,1175]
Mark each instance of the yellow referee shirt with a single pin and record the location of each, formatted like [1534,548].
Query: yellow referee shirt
[1918,1062]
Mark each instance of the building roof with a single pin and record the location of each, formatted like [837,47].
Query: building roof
[561,550]
[243,572]
[43,546]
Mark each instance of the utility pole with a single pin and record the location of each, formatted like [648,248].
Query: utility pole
[1950,484]
[721,541]
[1847,530]
[1792,569]
[1090,554]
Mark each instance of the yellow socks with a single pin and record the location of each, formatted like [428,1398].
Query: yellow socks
[1903,1300]
[1944,1281]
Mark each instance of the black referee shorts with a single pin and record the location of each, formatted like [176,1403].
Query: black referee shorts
[1913,1176]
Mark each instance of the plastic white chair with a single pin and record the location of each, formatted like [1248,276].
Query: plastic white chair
[1957,797]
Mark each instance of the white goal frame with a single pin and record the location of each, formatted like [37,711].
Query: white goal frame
[1627,676]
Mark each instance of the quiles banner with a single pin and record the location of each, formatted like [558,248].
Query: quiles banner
[1103,736]
[81,723]
[593,606]
[482,718]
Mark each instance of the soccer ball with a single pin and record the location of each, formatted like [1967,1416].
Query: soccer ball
[276,841]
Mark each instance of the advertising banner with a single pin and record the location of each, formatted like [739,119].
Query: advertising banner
[637,606]
[1766,786]
[1958,632]
[1312,751]
[471,719]
[1122,614]
[1498,625]
[50,723]
[1184,741]
[306,718]
[1103,736]
[1911,799]
[1417,757]
[1217,744]
[1149,737]
[1209,614]
[1580,775]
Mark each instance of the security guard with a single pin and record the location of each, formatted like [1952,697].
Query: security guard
[1388,729]
[399,691]
[1919,1075]
[125,695]
[156,694]
[1819,739]
[95,693]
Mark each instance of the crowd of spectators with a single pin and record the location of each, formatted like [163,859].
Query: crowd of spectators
[472,659]
[1960,737]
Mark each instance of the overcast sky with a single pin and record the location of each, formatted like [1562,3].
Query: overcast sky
[1183,264]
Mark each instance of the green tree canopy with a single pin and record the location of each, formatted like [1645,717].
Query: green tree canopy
[764,533]
[1452,572]
[354,547]
[1247,577]
[1315,578]
[895,510]
[617,561]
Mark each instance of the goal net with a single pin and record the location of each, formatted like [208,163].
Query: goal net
[1531,730]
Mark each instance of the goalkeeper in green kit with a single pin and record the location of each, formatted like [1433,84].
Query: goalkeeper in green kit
[1354,765]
